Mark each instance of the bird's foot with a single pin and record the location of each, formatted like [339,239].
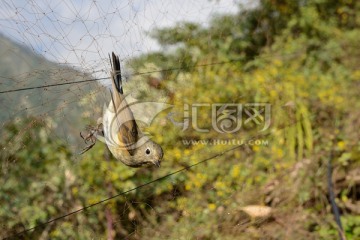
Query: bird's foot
[91,136]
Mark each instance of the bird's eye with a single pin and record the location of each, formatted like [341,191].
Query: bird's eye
[147,151]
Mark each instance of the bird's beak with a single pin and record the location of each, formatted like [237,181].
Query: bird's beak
[157,163]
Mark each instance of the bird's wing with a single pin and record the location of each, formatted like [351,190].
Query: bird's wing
[123,122]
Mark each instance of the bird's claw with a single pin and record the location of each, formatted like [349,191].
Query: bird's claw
[90,137]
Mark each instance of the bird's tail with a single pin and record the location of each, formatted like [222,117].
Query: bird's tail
[116,73]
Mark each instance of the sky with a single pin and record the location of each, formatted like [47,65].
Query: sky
[81,33]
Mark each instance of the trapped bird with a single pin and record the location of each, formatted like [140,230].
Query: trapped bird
[120,131]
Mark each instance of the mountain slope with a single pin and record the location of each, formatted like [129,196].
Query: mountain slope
[22,68]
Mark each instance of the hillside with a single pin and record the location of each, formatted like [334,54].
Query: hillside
[21,68]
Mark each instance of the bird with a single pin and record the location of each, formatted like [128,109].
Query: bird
[119,129]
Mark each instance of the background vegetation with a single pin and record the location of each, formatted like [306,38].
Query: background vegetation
[300,56]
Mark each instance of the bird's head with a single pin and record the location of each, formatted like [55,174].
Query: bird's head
[149,153]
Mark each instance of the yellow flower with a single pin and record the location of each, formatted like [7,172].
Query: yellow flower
[211,206]
[177,153]
[273,94]
[219,185]
[341,145]
[235,171]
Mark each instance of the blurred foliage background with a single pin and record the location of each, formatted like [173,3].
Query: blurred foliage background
[300,56]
